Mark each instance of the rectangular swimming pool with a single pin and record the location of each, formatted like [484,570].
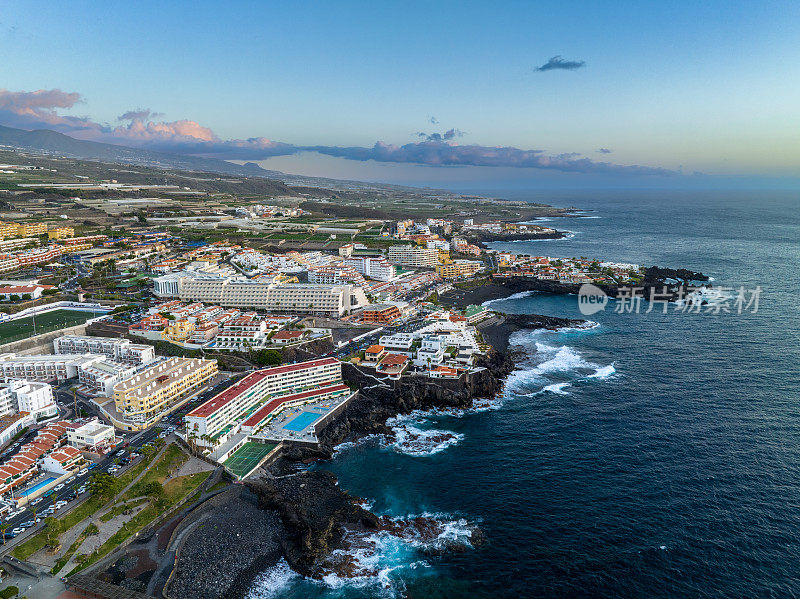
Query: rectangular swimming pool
[301,421]
[37,486]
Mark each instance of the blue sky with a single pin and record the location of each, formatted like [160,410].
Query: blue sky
[712,87]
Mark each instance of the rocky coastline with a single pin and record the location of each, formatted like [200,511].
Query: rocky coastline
[480,238]
[310,522]
[677,283]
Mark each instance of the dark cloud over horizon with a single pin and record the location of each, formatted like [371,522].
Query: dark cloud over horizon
[558,63]
[140,114]
[605,151]
[36,110]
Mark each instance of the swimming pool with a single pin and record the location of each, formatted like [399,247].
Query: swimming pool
[37,486]
[302,421]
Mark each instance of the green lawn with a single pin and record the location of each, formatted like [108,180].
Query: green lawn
[22,328]
[247,457]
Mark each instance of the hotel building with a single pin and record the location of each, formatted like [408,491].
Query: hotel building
[329,300]
[221,416]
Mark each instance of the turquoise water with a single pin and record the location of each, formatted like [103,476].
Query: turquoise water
[656,455]
[301,421]
[37,486]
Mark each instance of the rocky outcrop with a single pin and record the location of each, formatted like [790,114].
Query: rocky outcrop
[231,540]
[316,515]
[321,518]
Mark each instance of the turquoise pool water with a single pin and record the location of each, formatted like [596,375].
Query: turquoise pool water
[302,421]
[37,486]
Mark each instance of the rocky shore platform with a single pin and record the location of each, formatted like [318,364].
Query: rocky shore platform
[304,517]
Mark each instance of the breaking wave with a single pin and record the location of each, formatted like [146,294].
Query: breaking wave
[550,368]
[273,581]
[410,439]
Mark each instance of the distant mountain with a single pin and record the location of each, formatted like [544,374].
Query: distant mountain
[52,142]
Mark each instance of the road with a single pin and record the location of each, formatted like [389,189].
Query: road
[135,442]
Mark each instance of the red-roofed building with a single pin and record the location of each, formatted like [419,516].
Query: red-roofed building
[220,416]
[63,460]
[284,337]
[393,364]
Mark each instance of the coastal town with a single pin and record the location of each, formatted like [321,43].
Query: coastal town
[147,365]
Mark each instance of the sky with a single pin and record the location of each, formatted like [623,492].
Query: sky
[450,94]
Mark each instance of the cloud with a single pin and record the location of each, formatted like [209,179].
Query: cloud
[446,136]
[558,63]
[433,120]
[605,151]
[140,114]
[435,153]
[39,109]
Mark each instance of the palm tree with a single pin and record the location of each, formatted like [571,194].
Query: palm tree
[3,529]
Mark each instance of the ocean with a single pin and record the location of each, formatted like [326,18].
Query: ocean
[653,455]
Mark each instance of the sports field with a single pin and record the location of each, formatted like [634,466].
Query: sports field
[247,457]
[15,330]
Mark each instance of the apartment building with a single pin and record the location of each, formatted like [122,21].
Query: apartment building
[380,314]
[60,232]
[45,367]
[100,377]
[373,267]
[119,350]
[220,416]
[415,257]
[142,398]
[458,269]
[31,397]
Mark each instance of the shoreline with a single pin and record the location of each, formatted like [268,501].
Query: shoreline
[316,516]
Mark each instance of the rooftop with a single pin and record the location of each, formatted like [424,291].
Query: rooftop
[218,401]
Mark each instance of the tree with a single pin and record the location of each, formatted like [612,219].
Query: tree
[103,485]
[52,530]
[3,529]
[155,490]
[92,529]
[9,591]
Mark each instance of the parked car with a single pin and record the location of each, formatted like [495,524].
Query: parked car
[37,500]
[120,453]
[71,479]
[83,471]
[17,531]
[59,487]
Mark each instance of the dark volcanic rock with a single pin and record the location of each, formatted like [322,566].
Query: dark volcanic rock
[232,541]
[315,512]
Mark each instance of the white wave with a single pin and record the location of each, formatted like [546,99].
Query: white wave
[519,295]
[478,406]
[565,358]
[414,441]
[557,388]
[603,372]
[273,582]
[373,560]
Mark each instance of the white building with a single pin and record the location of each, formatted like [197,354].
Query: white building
[228,408]
[373,267]
[119,350]
[101,376]
[26,396]
[93,435]
[416,257]
[329,300]
[44,367]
